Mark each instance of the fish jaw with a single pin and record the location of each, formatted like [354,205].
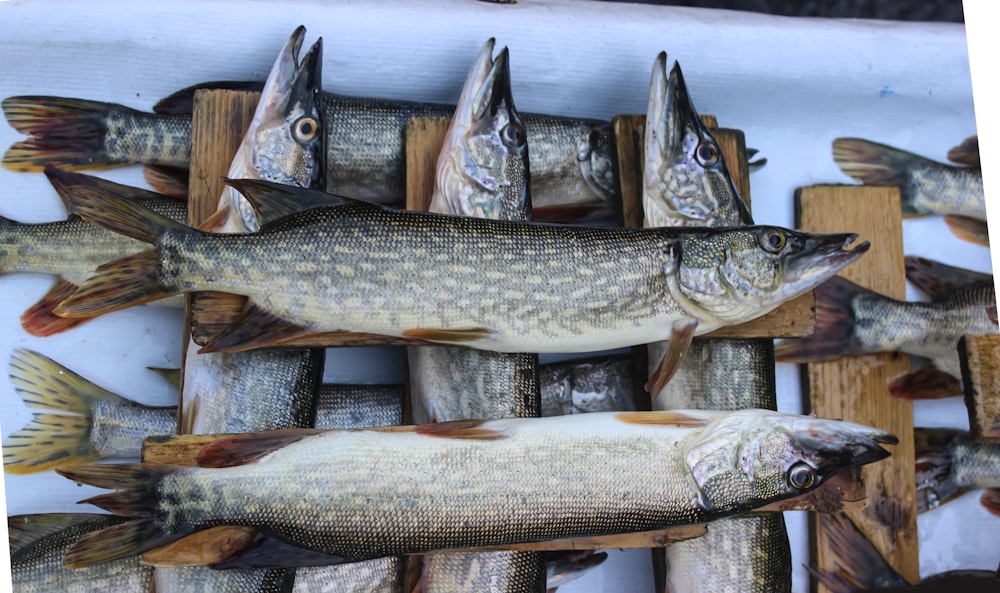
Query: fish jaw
[734,275]
[764,456]
[686,181]
[284,142]
[482,170]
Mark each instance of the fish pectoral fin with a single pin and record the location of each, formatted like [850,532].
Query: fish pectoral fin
[167,180]
[680,342]
[460,429]
[991,501]
[968,229]
[432,334]
[929,382]
[662,418]
[213,223]
[205,547]
[256,328]
[40,319]
[240,449]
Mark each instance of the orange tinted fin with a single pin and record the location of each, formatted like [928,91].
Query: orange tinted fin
[966,153]
[991,501]
[169,181]
[214,223]
[926,383]
[991,312]
[460,429]
[968,229]
[664,418]
[119,541]
[242,449]
[39,320]
[182,102]
[459,335]
[256,328]
[122,283]
[205,547]
[680,342]
[833,335]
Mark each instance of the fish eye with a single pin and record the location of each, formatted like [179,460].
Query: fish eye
[801,476]
[304,129]
[512,135]
[707,153]
[772,240]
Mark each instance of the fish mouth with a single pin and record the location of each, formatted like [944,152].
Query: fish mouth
[823,256]
[290,80]
[839,445]
[487,86]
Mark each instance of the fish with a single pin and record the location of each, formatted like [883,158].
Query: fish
[364,137]
[37,544]
[949,464]
[966,153]
[79,421]
[936,279]
[358,406]
[377,270]
[320,490]
[925,186]
[564,567]
[688,182]
[70,250]
[853,320]
[482,171]
[591,385]
[860,567]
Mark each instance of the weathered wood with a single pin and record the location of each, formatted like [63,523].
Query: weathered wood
[980,357]
[424,139]
[855,388]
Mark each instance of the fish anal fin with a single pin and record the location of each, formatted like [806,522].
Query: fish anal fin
[968,229]
[459,335]
[119,541]
[680,342]
[460,429]
[929,382]
[204,547]
[40,321]
[661,418]
[119,284]
[182,101]
[256,328]
[270,551]
[169,181]
[230,451]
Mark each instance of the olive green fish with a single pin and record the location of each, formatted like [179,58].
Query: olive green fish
[80,421]
[320,491]
[949,464]
[371,269]
[37,545]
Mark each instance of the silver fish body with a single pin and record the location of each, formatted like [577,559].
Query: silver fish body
[484,572]
[359,406]
[199,579]
[37,544]
[480,481]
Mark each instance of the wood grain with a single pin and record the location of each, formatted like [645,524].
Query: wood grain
[424,139]
[980,357]
[855,388]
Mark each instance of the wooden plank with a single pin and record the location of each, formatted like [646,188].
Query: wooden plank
[854,388]
[424,139]
[980,357]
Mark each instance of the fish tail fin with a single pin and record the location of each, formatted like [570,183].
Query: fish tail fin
[967,228]
[61,435]
[110,205]
[871,163]
[70,133]
[927,383]
[833,335]
[119,284]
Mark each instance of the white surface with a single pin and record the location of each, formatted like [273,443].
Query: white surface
[791,85]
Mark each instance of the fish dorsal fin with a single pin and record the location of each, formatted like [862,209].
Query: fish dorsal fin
[208,546]
[256,328]
[662,418]
[241,449]
[463,334]
[25,530]
[167,180]
[39,320]
[270,551]
[182,101]
[938,280]
[272,201]
[461,429]
[928,382]
[966,153]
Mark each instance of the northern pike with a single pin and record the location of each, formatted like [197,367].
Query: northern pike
[359,406]
[851,319]
[925,186]
[482,171]
[529,287]
[37,545]
[584,386]
[860,568]
[949,464]
[80,421]
[687,182]
[479,483]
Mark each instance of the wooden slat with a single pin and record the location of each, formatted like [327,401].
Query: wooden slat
[855,388]
[981,377]
[424,139]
